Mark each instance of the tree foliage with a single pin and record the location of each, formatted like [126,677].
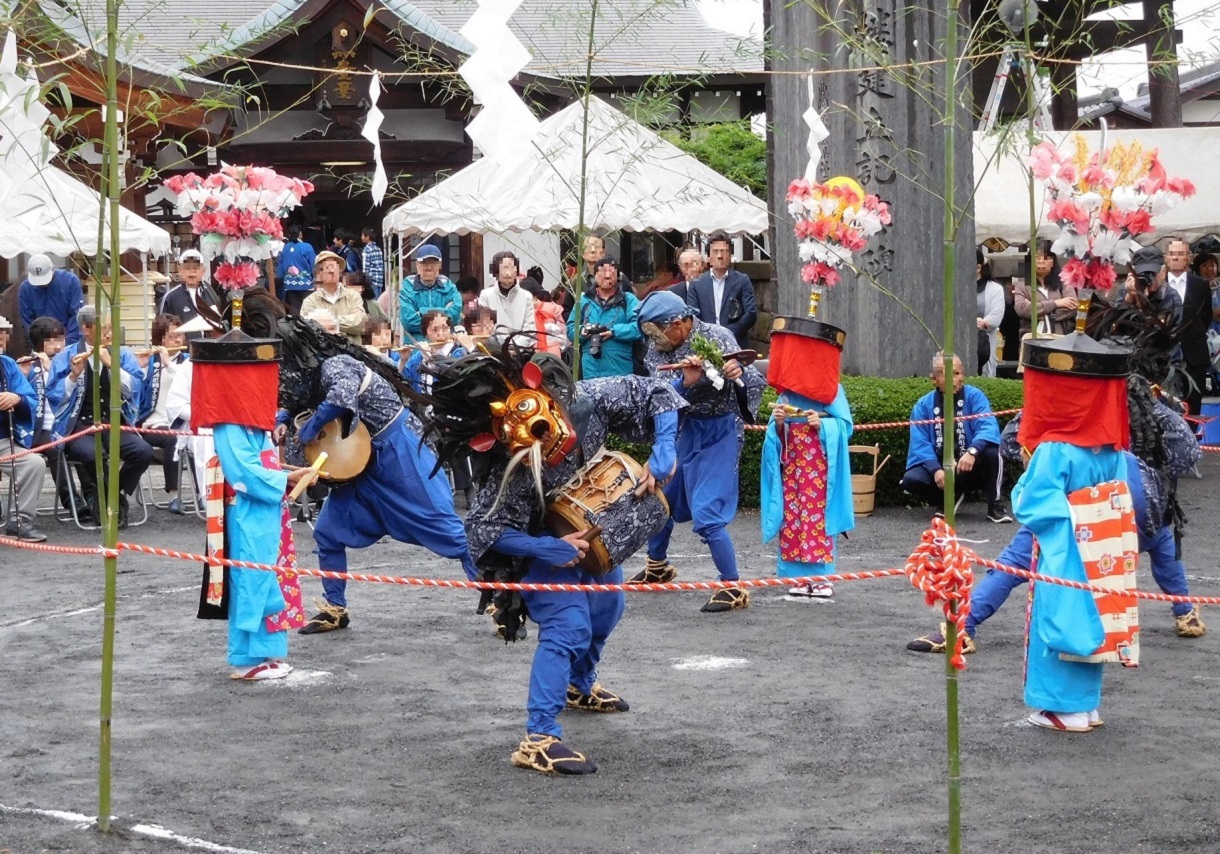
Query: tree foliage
[732,149]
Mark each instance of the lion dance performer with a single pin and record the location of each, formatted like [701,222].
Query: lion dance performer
[545,436]
[806,475]
[710,438]
[398,493]
[245,502]
[1075,500]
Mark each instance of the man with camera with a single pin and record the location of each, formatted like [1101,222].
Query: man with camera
[1147,278]
[607,324]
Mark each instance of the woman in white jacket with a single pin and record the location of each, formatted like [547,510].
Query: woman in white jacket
[990,312]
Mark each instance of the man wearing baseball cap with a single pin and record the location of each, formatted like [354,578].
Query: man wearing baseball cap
[48,292]
[427,290]
[1147,277]
[183,300]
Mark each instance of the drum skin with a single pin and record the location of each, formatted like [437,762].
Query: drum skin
[603,494]
[347,457]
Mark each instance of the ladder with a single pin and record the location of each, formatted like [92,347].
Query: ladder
[1010,59]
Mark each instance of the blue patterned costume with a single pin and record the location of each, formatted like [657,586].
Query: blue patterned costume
[397,494]
[573,627]
[710,438]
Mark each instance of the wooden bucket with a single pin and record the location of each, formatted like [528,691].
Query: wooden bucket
[864,486]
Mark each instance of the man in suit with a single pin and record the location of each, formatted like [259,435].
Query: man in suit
[690,263]
[183,300]
[1196,317]
[724,296]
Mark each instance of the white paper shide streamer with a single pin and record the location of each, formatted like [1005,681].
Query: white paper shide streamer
[504,127]
[372,132]
[817,132]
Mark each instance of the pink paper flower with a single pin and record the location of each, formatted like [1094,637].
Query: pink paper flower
[237,276]
[1068,212]
[798,189]
[1043,160]
[1074,272]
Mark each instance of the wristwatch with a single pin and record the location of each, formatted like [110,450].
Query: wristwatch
[974,452]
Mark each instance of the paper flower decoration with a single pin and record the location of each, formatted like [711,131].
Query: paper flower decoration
[237,213]
[1101,202]
[833,221]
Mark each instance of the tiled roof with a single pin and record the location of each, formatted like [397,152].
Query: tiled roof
[633,37]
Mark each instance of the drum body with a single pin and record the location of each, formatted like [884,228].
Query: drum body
[346,457]
[603,494]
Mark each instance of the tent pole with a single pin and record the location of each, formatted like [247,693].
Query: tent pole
[145,297]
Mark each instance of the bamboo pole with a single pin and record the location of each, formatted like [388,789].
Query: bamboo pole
[949,260]
[577,290]
[110,202]
[1031,110]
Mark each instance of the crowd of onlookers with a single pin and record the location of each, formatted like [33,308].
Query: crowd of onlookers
[1181,282]
[340,286]
[594,311]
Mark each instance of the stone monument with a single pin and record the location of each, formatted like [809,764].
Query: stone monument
[880,90]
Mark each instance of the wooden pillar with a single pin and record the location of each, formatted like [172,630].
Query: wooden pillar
[1065,108]
[1164,91]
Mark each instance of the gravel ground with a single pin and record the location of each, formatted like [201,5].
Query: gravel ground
[788,727]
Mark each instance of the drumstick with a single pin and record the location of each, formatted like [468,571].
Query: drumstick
[287,467]
[148,351]
[25,360]
[308,480]
[81,358]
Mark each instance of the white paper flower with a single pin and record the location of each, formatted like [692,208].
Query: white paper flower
[1071,244]
[1126,199]
[1106,244]
[1090,201]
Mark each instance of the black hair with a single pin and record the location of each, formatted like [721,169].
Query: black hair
[1042,247]
[535,289]
[371,325]
[369,232]
[494,266]
[425,319]
[468,285]
[981,259]
[535,273]
[358,278]
[603,261]
[294,232]
[44,329]
[1197,264]
[719,237]
[161,325]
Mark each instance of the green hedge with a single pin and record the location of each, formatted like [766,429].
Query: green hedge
[872,400]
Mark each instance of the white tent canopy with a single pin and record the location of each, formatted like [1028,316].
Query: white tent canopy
[1001,203]
[42,207]
[635,181]
[50,211]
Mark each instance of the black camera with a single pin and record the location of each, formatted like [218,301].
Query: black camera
[592,333]
[1143,281]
